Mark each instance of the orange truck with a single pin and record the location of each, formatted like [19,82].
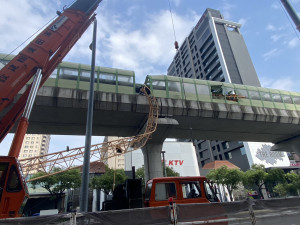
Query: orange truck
[183,190]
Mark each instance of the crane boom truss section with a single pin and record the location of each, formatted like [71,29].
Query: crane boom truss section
[73,158]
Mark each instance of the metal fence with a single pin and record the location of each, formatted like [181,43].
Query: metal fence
[253,212]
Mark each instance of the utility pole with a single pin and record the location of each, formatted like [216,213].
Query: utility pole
[84,189]
[164,163]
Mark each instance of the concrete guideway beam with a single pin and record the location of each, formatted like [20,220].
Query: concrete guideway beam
[152,150]
[290,145]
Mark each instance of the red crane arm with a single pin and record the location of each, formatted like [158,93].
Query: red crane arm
[46,51]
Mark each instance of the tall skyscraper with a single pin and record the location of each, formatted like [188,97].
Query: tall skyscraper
[215,50]
[34,145]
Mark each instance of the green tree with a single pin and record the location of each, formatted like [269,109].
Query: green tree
[281,189]
[275,176]
[230,178]
[140,174]
[293,180]
[58,183]
[171,172]
[255,176]
[105,182]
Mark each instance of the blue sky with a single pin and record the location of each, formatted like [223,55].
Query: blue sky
[137,35]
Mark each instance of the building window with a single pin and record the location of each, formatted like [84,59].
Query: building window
[243,151]
[201,154]
[199,146]
[25,150]
[202,163]
[218,147]
[228,155]
[27,142]
[25,155]
[220,156]
[225,145]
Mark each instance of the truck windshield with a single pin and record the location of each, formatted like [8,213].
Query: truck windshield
[210,194]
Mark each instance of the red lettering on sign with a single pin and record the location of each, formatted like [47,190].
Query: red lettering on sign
[176,162]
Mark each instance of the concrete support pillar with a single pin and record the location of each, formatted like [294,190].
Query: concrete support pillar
[152,160]
[152,150]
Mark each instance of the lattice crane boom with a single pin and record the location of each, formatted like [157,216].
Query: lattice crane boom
[73,158]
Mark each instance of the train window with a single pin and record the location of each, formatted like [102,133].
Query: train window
[202,89]
[106,78]
[217,91]
[241,92]
[159,85]
[296,100]
[287,99]
[53,74]
[70,74]
[189,88]
[276,98]
[163,191]
[13,182]
[229,91]
[125,80]
[254,95]
[266,96]
[174,86]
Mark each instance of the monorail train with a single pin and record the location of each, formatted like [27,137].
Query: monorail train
[73,75]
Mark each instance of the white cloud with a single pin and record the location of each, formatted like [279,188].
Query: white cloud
[226,8]
[276,5]
[286,83]
[277,37]
[20,19]
[242,21]
[294,42]
[176,2]
[271,53]
[126,47]
[270,27]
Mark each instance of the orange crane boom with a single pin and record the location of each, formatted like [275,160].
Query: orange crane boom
[43,54]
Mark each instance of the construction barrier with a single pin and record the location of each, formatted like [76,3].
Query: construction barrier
[252,212]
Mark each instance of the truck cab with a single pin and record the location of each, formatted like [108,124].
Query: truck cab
[183,190]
